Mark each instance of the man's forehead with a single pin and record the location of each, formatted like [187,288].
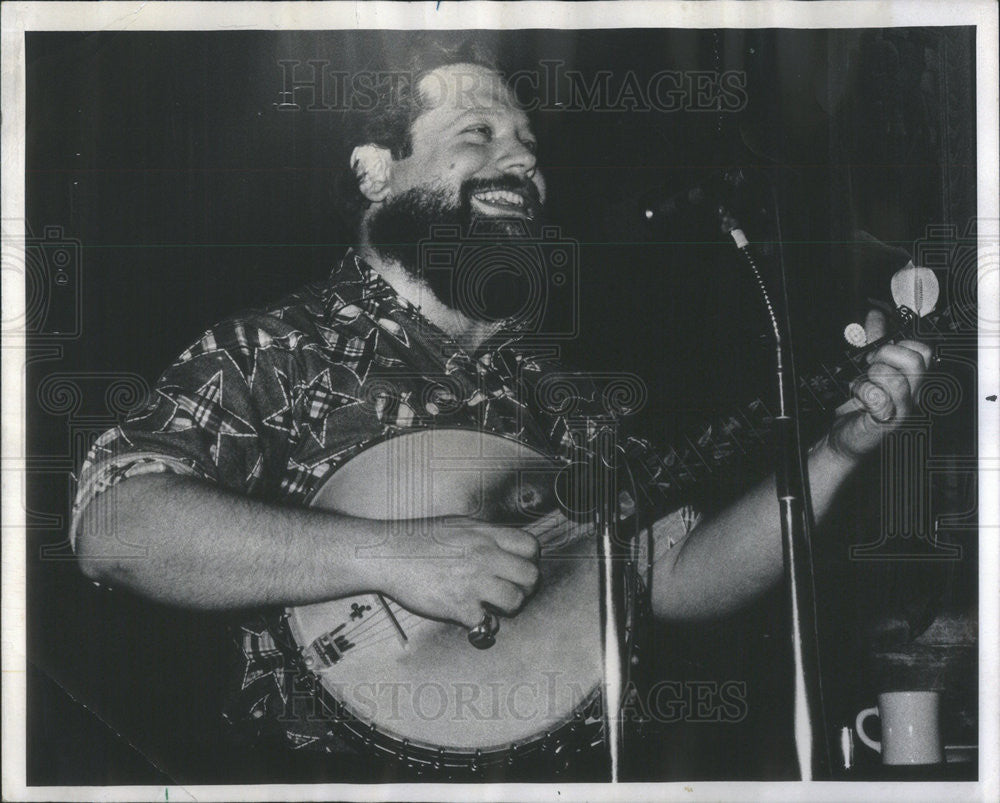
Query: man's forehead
[453,89]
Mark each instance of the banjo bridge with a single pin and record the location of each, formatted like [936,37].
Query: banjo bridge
[328,649]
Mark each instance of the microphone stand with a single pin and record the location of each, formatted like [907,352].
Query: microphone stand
[812,750]
[612,567]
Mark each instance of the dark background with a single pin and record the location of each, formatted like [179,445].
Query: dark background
[183,193]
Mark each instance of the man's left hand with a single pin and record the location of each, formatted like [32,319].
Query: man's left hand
[884,396]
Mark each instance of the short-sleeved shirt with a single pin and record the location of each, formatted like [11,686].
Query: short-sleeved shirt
[271,402]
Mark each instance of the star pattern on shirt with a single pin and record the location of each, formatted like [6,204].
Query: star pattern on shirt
[281,398]
[175,417]
[283,418]
[394,330]
[205,408]
[257,647]
[300,740]
[355,353]
[317,400]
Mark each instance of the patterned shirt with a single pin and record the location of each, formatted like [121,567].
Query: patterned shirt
[271,402]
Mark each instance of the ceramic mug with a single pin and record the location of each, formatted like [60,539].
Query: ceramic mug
[911,731]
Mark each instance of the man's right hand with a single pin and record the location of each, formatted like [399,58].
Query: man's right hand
[451,567]
[183,541]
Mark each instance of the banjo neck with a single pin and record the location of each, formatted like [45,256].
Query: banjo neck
[741,437]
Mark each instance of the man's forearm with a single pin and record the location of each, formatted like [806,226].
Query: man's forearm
[182,541]
[731,559]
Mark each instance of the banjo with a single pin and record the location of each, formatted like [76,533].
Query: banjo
[413,688]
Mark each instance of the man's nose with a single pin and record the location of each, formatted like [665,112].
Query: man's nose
[518,159]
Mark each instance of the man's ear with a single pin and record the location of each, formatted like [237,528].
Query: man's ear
[371,165]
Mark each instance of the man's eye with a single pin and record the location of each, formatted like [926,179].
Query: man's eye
[483,130]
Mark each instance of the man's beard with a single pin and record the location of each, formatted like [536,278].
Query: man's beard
[479,264]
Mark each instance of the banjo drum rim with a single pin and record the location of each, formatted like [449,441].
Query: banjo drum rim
[372,738]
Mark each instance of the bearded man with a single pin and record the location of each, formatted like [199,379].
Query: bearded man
[200,498]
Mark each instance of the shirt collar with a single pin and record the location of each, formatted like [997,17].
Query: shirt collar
[355,283]
[355,286]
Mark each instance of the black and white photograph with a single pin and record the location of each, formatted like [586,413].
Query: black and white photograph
[500,401]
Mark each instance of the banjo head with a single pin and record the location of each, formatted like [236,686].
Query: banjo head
[416,686]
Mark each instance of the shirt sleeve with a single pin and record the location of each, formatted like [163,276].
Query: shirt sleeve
[206,417]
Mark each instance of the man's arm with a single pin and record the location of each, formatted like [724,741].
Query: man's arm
[732,558]
[183,541]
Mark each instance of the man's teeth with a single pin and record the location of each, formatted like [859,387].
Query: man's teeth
[500,196]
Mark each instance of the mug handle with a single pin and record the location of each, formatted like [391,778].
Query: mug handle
[859,726]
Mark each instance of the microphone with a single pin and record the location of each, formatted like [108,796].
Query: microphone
[714,194]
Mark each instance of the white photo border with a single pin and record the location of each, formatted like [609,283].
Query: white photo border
[20,17]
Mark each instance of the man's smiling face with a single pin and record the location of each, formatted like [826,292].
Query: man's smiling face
[472,146]
[472,161]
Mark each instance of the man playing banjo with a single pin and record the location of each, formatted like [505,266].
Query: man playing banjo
[210,482]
